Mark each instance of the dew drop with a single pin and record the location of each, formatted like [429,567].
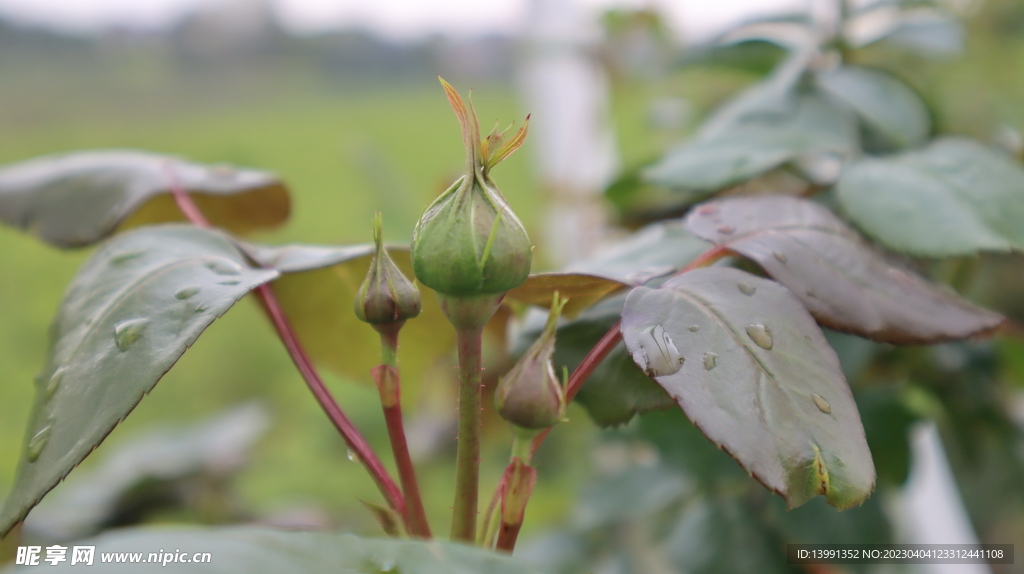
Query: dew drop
[780,256]
[124,256]
[229,282]
[760,335]
[127,332]
[746,288]
[822,404]
[53,383]
[201,307]
[726,229]
[222,266]
[38,442]
[387,565]
[353,456]
[694,328]
[186,292]
[658,355]
[710,361]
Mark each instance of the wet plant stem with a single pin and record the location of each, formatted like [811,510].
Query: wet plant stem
[389,385]
[353,438]
[467,457]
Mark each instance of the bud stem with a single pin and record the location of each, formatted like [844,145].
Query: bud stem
[467,458]
[389,385]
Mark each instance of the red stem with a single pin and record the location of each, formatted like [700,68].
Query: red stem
[272,306]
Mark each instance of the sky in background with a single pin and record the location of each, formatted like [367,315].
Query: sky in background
[400,19]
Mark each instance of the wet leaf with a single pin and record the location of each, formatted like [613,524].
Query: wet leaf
[317,290]
[775,397]
[133,309]
[846,284]
[654,251]
[76,199]
[885,104]
[258,550]
[756,143]
[582,289]
[954,197]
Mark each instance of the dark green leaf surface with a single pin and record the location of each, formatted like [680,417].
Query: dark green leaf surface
[751,369]
[756,143]
[130,313]
[955,197]
[258,550]
[79,198]
[846,284]
[885,104]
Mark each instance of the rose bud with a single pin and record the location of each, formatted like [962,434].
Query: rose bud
[386,295]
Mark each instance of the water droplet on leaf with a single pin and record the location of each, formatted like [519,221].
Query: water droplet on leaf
[694,328]
[222,266]
[822,404]
[780,256]
[127,332]
[658,355]
[746,288]
[186,292]
[229,282]
[710,361]
[53,383]
[760,335]
[38,441]
[124,256]
[353,456]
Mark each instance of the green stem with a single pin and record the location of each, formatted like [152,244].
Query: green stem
[467,458]
[390,398]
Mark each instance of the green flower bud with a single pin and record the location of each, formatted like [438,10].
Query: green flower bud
[469,242]
[530,396]
[386,295]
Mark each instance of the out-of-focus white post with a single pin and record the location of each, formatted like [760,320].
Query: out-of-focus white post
[567,93]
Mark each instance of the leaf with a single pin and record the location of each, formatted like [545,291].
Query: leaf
[844,283]
[133,309]
[656,250]
[246,550]
[756,143]
[885,104]
[76,199]
[582,289]
[751,369]
[954,197]
[317,290]
[634,493]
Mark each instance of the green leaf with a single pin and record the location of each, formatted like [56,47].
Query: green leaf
[751,369]
[582,289]
[261,550]
[734,151]
[954,197]
[317,290]
[133,309]
[846,284]
[76,199]
[635,493]
[885,104]
[656,250]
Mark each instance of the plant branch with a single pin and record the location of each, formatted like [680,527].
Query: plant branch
[467,457]
[272,306]
[389,385]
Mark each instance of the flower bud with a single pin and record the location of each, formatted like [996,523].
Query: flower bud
[530,396]
[386,295]
[469,242]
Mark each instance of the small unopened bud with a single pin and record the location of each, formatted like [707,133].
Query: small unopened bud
[469,242]
[386,295]
[530,395]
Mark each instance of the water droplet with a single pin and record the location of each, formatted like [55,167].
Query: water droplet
[186,292]
[761,335]
[53,383]
[229,282]
[658,355]
[746,288]
[353,456]
[127,332]
[124,256]
[726,229]
[201,307]
[694,328]
[222,266]
[810,294]
[38,441]
[386,564]
[780,256]
[822,404]
[710,361]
